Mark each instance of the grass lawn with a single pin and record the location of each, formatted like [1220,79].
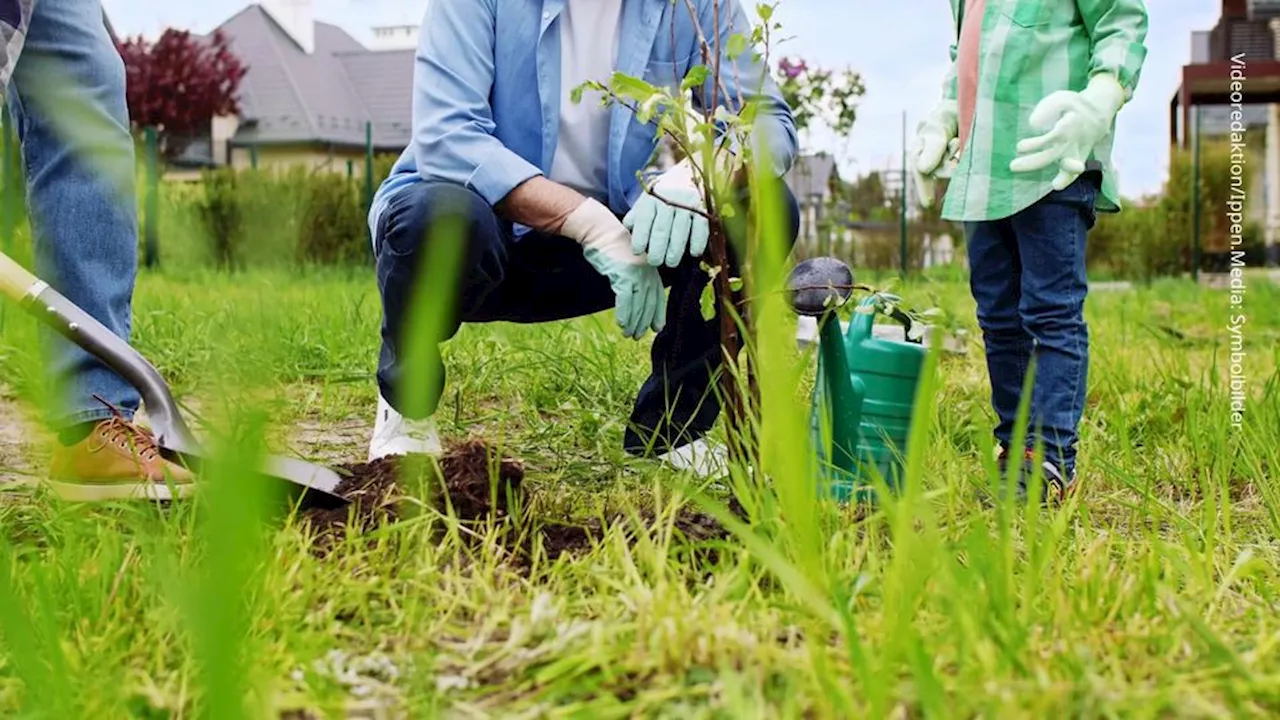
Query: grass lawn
[1152,595]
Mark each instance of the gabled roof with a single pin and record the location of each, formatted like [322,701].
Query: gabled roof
[810,175]
[326,96]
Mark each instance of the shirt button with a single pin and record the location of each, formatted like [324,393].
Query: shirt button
[546,15]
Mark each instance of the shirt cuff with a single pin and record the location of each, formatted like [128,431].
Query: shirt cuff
[500,173]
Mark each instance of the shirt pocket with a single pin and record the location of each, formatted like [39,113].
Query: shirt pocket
[1019,54]
[1029,13]
[664,74]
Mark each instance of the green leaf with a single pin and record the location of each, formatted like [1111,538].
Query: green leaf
[696,77]
[735,284]
[765,12]
[736,46]
[632,88]
[708,301]
[575,95]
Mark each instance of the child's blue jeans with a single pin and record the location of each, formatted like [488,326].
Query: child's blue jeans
[1027,274]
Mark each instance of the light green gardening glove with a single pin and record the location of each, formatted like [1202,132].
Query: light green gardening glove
[665,233]
[933,155]
[1073,124]
[641,301]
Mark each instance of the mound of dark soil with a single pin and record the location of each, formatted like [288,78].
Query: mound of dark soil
[372,489]
[692,527]
[375,489]
[467,470]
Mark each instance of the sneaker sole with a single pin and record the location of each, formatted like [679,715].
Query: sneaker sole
[382,452]
[102,492]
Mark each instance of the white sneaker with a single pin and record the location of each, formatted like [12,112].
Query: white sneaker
[395,435]
[699,458]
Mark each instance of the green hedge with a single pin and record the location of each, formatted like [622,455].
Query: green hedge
[232,219]
[1155,237]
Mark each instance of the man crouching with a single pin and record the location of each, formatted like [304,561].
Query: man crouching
[556,223]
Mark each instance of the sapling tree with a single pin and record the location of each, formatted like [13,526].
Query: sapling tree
[714,129]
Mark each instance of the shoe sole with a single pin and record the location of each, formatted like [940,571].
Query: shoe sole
[103,492]
[382,453]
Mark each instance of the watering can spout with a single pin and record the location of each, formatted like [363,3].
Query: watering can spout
[818,287]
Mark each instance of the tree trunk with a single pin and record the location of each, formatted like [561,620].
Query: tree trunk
[737,422]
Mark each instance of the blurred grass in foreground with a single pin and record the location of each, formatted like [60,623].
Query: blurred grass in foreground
[1155,595]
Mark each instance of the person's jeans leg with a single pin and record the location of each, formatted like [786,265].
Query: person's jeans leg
[403,230]
[1051,237]
[532,278]
[677,404]
[67,97]
[995,280]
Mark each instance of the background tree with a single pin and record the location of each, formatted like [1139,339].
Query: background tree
[820,96]
[179,83]
[866,197]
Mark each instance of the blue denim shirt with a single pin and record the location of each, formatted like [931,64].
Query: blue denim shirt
[486,111]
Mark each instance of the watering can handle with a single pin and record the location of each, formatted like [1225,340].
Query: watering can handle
[861,327]
[905,319]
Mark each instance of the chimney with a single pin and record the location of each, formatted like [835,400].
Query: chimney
[297,17]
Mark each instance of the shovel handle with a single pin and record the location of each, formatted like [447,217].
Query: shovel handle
[16,283]
[64,317]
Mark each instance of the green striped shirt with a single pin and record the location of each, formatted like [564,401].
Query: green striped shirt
[1029,50]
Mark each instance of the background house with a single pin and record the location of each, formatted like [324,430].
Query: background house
[313,95]
[810,180]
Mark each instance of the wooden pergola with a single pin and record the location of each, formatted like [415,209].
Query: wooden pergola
[1211,84]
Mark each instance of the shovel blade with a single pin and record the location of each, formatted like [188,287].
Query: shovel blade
[306,485]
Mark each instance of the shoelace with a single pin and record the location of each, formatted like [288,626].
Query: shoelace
[119,431]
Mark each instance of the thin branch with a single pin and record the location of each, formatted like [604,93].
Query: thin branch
[648,189]
[715,20]
[674,68]
[679,206]
[706,52]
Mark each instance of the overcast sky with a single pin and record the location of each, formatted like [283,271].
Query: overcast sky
[900,47]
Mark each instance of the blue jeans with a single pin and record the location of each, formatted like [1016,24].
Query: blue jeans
[67,98]
[1027,275]
[540,278]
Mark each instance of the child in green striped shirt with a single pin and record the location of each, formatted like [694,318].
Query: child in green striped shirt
[1024,133]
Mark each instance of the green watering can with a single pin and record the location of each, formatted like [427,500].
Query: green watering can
[866,387]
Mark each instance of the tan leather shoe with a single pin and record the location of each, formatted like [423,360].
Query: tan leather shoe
[117,461]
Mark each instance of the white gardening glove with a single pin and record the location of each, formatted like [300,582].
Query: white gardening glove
[1073,124]
[666,233]
[641,302]
[936,144]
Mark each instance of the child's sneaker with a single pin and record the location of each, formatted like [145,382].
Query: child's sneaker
[1054,487]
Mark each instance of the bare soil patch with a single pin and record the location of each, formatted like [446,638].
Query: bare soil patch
[478,485]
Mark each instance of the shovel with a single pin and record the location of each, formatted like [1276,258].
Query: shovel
[304,483]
